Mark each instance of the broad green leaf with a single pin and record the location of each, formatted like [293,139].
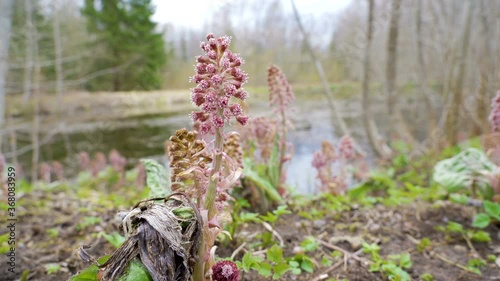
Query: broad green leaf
[273,166]
[481,220]
[275,254]
[248,261]
[90,273]
[463,170]
[137,272]
[263,269]
[307,265]
[280,269]
[459,198]
[262,183]
[405,261]
[157,178]
[493,209]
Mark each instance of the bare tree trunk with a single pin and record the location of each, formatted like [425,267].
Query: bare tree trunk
[33,53]
[392,57]
[374,138]
[453,118]
[422,73]
[58,53]
[28,70]
[319,68]
[485,70]
[397,122]
[6,12]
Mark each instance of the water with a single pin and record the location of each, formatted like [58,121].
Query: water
[145,138]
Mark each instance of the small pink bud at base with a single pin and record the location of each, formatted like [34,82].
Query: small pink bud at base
[225,271]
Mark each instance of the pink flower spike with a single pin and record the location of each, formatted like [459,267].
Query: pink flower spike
[218,78]
[495,113]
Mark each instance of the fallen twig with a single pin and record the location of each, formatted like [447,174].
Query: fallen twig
[448,261]
[274,232]
[345,252]
[321,276]
[233,255]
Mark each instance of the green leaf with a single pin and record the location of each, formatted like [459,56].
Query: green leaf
[282,210]
[250,217]
[326,262]
[115,239]
[89,273]
[137,272]
[454,227]
[480,236]
[265,185]
[423,244]
[481,220]
[275,254]
[263,269]
[493,209]
[463,170]
[307,265]
[273,166]
[427,277]
[280,269]
[371,248]
[405,261]
[269,217]
[309,244]
[248,261]
[459,198]
[52,268]
[157,178]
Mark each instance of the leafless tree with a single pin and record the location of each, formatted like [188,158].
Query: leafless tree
[6,12]
[58,52]
[453,117]
[422,71]
[372,133]
[321,72]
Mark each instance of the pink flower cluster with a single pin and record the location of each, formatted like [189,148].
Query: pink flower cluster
[495,114]
[225,271]
[218,77]
[324,161]
[280,91]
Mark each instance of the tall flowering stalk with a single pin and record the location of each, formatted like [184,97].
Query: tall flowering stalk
[495,114]
[280,98]
[218,77]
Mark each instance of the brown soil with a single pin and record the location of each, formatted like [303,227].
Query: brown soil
[395,229]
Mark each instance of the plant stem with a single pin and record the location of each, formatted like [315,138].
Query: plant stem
[283,139]
[199,269]
[212,185]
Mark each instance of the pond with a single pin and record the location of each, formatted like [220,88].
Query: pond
[145,138]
